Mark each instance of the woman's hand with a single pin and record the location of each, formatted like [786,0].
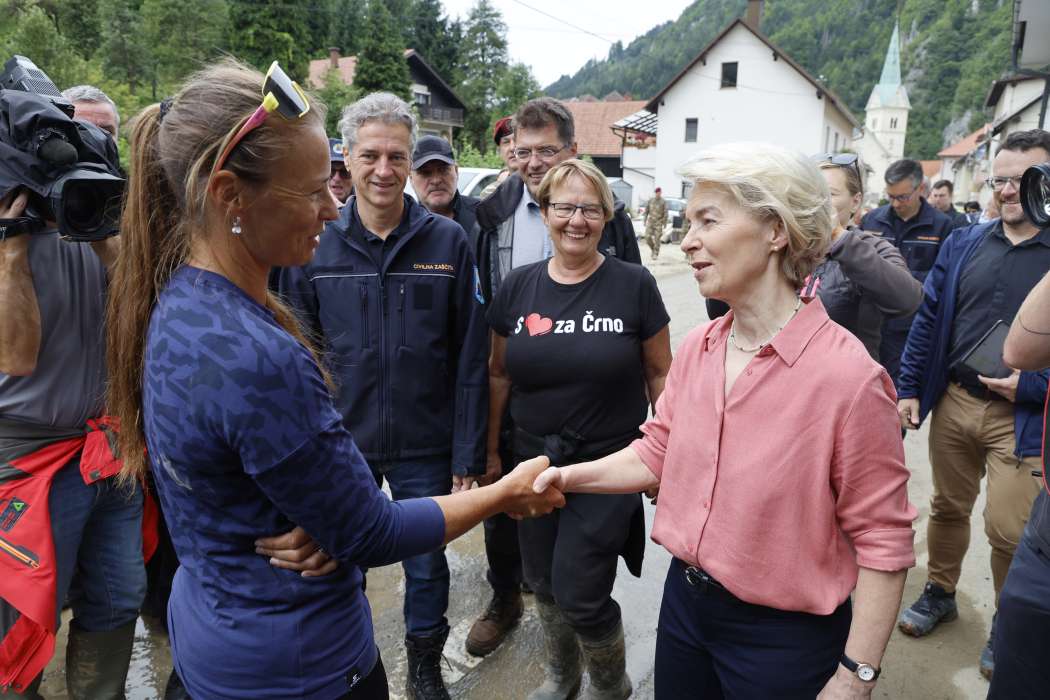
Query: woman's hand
[523,500]
[551,476]
[296,551]
[845,685]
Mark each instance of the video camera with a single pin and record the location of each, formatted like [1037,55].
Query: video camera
[1035,194]
[70,168]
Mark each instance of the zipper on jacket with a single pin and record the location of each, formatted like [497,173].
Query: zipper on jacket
[383,451]
[364,316]
[401,312]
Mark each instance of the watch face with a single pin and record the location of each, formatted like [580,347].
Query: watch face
[865,672]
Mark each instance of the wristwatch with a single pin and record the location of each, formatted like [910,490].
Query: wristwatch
[865,672]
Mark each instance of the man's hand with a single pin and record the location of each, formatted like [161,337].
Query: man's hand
[908,412]
[523,500]
[463,483]
[845,685]
[296,551]
[493,469]
[13,206]
[1006,388]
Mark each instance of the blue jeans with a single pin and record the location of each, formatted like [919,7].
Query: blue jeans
[712,645]
[98,537]
[426,576]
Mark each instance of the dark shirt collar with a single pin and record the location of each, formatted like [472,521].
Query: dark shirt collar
[1041,238]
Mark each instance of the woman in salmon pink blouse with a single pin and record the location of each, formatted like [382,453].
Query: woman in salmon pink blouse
[778,455]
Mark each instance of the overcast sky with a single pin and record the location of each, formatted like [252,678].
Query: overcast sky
[552,47]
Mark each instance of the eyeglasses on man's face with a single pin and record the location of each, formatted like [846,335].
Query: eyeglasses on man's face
[564,210]
[999,182]
[901,198]
[542,152]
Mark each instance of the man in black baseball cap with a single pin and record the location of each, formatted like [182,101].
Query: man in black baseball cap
[435,177]
[341,184]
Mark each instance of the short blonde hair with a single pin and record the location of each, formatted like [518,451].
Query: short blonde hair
[772,182]
[558,175]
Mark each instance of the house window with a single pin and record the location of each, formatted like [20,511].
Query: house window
[893,122]
[690,130]
[827,138]
[687,188]
[421,98]
[836,142]
[874,123]
[729,75]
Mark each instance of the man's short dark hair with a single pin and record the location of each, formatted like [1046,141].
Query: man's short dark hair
[944,183]
[972,206]
[543,112]
[902,170]
[1025,141]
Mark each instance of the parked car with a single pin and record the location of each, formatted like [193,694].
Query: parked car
[473,180]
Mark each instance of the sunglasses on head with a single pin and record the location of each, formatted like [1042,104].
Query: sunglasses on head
[843,160]
[280,94]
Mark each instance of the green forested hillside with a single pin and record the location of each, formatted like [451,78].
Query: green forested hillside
[951,51]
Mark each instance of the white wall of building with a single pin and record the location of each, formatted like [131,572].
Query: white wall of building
[772,103]
[639,169]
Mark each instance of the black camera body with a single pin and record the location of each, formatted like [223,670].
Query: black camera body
[71,169]
[1035,194]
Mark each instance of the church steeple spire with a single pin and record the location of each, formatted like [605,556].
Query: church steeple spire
[891,68]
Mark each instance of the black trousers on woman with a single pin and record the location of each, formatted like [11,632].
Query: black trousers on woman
[571,555]
[712,645]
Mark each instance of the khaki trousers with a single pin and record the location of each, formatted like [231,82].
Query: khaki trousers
[971,437]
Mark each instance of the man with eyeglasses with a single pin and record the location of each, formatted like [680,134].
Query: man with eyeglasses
[918,230]
[512,234]
[341,184]
[981,425]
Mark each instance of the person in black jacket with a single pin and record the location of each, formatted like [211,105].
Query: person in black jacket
[435,176]
[941,199]
[511,233]
[392,290]
[918,230]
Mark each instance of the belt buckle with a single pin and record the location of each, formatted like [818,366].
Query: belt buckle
[697,577]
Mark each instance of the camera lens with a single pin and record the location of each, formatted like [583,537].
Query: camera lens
[1035,194]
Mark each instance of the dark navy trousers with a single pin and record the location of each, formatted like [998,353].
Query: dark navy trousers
[712,645]
[1022,626]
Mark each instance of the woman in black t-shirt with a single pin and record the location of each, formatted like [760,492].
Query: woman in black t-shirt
[580,348]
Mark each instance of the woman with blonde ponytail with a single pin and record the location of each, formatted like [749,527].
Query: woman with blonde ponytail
[221,395]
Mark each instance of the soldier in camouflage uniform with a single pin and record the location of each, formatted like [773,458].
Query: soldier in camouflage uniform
[655,221]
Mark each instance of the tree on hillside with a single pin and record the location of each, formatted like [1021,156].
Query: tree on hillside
[32,34]
[483,60]
[336,95]
[381,61]
[516,86]
[183,36]
[262,31]
[348,18]
[77,21]
[435,37]
[124,52]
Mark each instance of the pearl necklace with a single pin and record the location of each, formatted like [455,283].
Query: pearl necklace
[732,332]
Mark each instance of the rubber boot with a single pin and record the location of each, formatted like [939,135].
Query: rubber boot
[562,665]
[97,662]
[424,680]
[31,691]
[606,665]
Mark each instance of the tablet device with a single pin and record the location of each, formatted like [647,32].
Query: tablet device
[986,357]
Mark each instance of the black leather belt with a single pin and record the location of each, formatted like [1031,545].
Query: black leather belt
[982,392]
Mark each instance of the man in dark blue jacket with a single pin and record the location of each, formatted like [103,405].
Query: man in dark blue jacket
[918,230]
[394,293]
[981,424]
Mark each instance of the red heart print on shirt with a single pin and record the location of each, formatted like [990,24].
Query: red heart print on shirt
[538,325]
